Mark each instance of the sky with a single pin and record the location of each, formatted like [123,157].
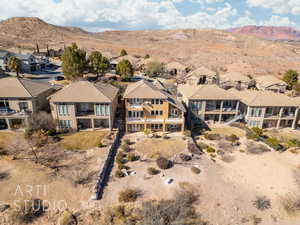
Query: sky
[101,15]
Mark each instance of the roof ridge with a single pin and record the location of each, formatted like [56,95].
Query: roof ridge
[20,80]
[101,92]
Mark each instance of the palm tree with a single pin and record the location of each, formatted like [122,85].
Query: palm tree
[14,64]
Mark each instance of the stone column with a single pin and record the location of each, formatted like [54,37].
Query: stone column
[93,124]
[279,119]
[237,108]
[295,122]
[8,124]
[221,112]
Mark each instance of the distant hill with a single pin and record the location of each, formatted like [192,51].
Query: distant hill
[269,32]
[26,31]
[215,49]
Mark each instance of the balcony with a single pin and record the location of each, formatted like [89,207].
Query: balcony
[11,112]
[85,113]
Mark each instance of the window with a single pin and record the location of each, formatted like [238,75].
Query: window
[102,109]
[156,113]
[157,101]
[136,101]
[135,114]
[253,123]
[196,105]
[255,112]
[65,124]
[23,106]
[156,126]
[63,110]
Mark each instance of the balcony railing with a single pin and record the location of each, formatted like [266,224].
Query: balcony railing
[8,111]
[85,113]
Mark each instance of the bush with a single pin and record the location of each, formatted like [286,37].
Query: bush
[67,218]
[185,157]
[100,145]
[119,174]
[212,136]
[28,210]
[232,138]
[122,167]
[257,131]
[152,171]
[120,158]
[195,170]
[210,150]
[132,157]
[187,133]
[293,143]
[129,195]
[273,143]
[163,163]
[291,203]
[51,132]
[125,147]
[252,136]
[262,203]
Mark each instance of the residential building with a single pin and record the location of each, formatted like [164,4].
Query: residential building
[4,55]
[28,63]
[202,75]
[236,80]
[266,109]
[151,107]
[270,83]
[85,105]
[21,97]
[208,104]
[175,68]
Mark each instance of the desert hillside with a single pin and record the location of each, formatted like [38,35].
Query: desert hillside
[216,49]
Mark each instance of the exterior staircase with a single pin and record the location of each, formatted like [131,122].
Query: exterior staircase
[238,117]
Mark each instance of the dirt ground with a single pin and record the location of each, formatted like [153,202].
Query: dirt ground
[227,189]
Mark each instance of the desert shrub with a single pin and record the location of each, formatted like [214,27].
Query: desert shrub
[291,203]
[187,133]
[273,143]
[232,138]
[4,175]
[256,220]
[255,148]
[100,145]
[152,171]
[195,170]
[3,152]
[120,158]
[262,203]
[193,148]
[227,158]
[129,195]
[127,141]
[119,174]
[132,157]
[27,211]
[210,150]
[125,147]
[121,166]
[212,137]
[119,214]
[252,136]
[67,218]
[293,143]
[185,157]
[202,145]
[163,163]
[257,131]
[179,210]
[51,132]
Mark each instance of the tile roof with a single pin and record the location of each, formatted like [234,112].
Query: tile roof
[269,80]
[264,98]
[202,71]
[205,92]
[85,91]
[13,87]
[234,76]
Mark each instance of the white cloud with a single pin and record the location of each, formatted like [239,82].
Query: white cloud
[278,6]
[117,14]
[279,21]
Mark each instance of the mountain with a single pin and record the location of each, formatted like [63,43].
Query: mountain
[216,49]
[269,32]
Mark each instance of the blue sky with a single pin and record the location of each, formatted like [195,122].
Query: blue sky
[99,15]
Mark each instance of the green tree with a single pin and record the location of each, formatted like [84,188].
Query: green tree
[73,62]
[14,64]
[154,69]
[291,78]
[98,63]
[123,52]
[125,69]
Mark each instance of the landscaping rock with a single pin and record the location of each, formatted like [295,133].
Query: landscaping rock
[4,207]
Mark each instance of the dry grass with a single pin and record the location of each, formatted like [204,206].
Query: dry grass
[160,148]
[7,137]
[82,140]
[282,135]
[291,203]
[226,130]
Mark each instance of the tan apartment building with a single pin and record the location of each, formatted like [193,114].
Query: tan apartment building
[235,80]
[21,97]
[151,107]
[208,104]
[270,83]
[202,75]
[266,109]
[85,105]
